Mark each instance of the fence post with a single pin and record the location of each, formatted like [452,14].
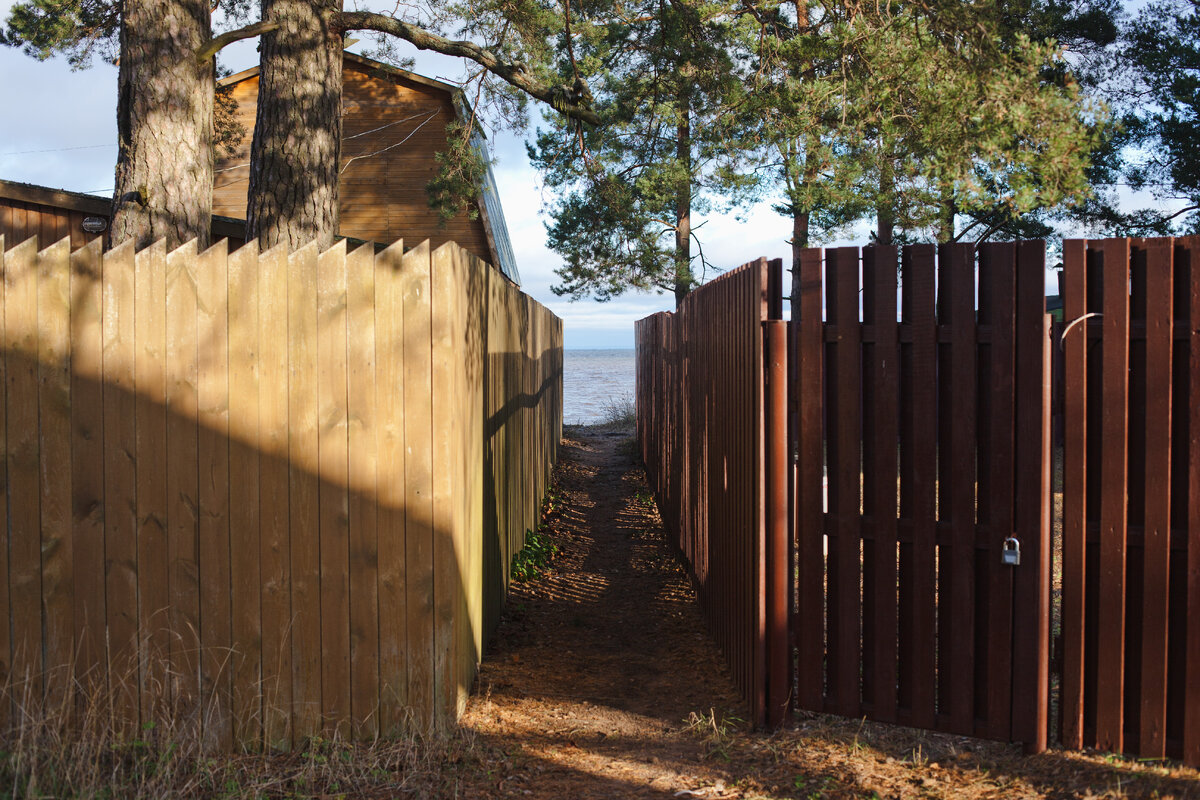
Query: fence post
[775,369]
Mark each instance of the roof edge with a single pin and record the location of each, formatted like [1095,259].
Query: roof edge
[361,61]
[57,198]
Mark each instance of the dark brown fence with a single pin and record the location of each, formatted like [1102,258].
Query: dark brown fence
[1131,500]
[934,444]
[922,443]
[701,429]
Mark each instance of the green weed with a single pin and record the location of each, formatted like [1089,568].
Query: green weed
[535,556]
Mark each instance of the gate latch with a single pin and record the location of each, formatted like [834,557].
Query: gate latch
[1011,555]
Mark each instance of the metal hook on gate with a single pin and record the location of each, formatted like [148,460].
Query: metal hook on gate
[1062,338]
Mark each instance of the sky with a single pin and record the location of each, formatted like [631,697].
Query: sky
[65,138]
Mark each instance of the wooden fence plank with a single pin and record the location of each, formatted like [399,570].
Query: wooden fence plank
[997,309]
[23,459]
[778,578]
[87,471]
[1191,722]
[1152,740]
[421,526]
[6,676]
[54,431]
[150,420]
[760,303]
[183,501]
[457,576]
[364,543]
[467,586]
[879,309]
[1110,673]
[275,541]
[389,399]
[918,313]
[120,484]
[1074,513]
[843,410]
[246,573]
[472,551]
[1031,604]
[957,488]
[303,491]
[212,399]
[333,455]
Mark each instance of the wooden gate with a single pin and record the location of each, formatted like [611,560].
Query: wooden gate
[1131,497]
[932,434]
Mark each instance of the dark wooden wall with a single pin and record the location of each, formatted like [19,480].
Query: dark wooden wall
[50,215]
[20,220]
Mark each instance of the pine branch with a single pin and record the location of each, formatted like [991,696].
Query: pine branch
[573,102]
[218,43]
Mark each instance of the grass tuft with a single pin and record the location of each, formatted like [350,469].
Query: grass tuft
[619,412]
[76,748]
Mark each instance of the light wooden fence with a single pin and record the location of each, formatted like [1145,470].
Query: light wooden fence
[271,495]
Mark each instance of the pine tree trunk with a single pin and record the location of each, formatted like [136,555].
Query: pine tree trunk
[683,205]
[800,221]
[164,173]
[801,216]
[945,218]
[886,220]
[296,150]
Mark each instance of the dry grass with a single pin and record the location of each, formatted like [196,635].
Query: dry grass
[820,756]
[73,748]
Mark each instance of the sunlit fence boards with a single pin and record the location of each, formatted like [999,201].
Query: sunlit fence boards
[259,492]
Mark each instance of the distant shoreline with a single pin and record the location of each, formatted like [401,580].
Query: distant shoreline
[597,349]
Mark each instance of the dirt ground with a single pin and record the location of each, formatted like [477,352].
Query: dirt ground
[602,682]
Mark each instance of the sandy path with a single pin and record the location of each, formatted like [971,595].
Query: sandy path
[598,666]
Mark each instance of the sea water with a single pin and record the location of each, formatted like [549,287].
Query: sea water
[593,381]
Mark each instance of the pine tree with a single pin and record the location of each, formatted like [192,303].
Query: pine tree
[164,104]
[1162,44]
[664,147]
[918,113]
[166,50]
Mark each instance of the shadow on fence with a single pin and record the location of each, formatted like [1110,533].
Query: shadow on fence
[249,492]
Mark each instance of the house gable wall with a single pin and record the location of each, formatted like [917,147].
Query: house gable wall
[398,125]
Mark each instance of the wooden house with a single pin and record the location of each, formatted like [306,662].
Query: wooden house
[394,123]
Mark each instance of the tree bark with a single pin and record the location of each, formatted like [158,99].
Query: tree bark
[886,220]
[295,154]
[683,204]
[801,216]
[164,173]
[945,221]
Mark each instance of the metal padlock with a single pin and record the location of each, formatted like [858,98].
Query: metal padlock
[1011,555]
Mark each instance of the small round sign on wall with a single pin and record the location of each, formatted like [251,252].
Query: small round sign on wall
[95,224]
